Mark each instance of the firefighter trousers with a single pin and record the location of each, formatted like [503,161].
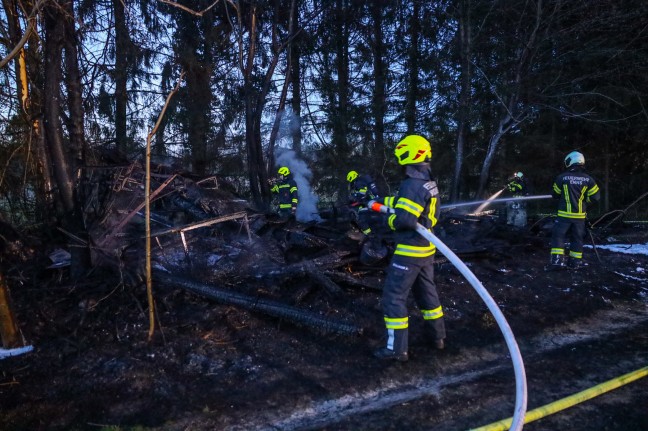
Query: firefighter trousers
[576,230]
[415,274]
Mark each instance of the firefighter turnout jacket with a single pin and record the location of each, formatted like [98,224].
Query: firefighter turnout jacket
[417,202]
[363,189]
[517,187]
[574,188]
[288,197]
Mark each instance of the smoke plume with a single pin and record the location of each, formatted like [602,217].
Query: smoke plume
[307,207]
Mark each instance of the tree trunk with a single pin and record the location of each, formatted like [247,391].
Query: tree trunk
[122,58]
[378,103]
[54,34]
[413,70]
[27,68]
[15,34]
[493,146]
[199,104]
[60,33]
[464,97]
[512,114]
[250,104]
[340,128]
[295,77]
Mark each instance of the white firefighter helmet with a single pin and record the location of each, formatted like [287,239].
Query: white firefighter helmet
[574,158]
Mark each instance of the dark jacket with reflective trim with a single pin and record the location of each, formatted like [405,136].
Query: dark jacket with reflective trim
[417,202]
[363,189]
[574,189]
[517,187]
[287,190]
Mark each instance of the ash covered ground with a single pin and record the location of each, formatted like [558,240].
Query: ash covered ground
[219,363]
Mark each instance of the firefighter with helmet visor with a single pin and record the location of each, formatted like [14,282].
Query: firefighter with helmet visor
[573,189]
[412,265]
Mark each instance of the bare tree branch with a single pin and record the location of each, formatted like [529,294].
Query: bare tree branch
[31,27]
[193,12]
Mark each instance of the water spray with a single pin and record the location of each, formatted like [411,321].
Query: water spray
[483,206]
[490,201]
[518,365]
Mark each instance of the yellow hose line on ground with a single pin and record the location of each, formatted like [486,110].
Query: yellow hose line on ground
[570,401]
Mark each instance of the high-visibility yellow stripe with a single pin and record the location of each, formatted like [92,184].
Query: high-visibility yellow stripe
[409,206]
[396,322]
[576,254]
[432,212]
[556,188]
[284,206]
[390,221]
[557,251]
[433,314]
[566,196]
[593,190]
[580,199]
[568,214]
[413,251]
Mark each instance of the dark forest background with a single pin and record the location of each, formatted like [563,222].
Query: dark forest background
[496,86]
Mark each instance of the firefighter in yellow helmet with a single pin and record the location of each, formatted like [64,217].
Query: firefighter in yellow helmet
[412,265]
[286,188]
[362,189]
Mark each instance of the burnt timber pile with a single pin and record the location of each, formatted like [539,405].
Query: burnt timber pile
[208,240]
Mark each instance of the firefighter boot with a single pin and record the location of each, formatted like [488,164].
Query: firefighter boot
[396,348]
[574,264]
[557,262]
[435,331]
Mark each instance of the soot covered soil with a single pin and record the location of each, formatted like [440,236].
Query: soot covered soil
[218,366]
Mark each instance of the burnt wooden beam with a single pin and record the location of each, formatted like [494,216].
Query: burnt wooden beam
[266,306]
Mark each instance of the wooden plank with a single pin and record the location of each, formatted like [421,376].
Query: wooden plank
[204,223]
[8,326]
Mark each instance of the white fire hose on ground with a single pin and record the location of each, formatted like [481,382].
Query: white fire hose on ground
[518,365]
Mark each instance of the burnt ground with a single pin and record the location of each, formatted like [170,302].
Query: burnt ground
[217,366]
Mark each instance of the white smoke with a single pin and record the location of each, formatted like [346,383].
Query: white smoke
[307,207]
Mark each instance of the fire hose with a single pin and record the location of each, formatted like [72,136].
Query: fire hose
[518,365]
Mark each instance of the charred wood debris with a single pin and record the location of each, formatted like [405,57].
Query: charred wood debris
[211,242]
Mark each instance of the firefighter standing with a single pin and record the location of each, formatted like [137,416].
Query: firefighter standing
[287,191]
[516,214]
[362,189]
[573,188]
[412,265]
